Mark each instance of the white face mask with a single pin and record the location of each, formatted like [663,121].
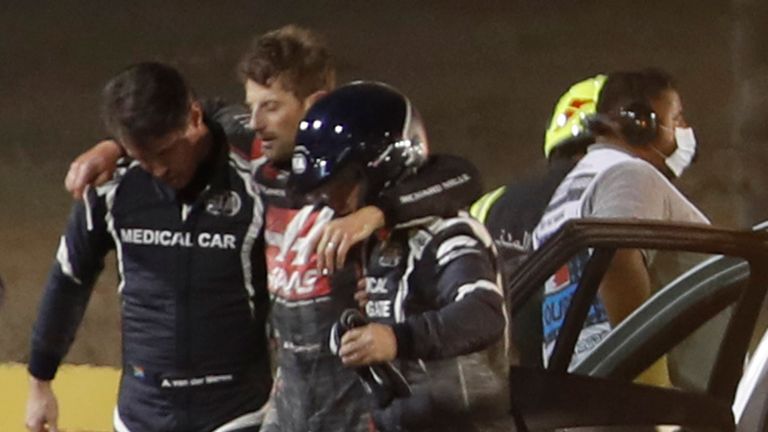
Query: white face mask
[682,157]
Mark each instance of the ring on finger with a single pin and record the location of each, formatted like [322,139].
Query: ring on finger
[330,245]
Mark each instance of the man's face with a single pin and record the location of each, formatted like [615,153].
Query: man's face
[275,116]
[669,112]
[172,158]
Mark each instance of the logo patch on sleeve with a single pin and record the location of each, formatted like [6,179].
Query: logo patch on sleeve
[224,204]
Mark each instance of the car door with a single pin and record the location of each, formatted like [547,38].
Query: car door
[599,391]
[703,290]
[751,404]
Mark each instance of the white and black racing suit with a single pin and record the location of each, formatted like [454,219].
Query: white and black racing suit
[192,291]
[313,391]
[437,285]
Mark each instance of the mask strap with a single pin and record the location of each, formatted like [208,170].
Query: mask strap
[674,140]
[659,152]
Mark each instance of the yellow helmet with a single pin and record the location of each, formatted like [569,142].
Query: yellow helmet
[566,124]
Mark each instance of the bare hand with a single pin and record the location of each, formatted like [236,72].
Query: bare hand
[369,344]
[94,167]
[42,407]
[341,234]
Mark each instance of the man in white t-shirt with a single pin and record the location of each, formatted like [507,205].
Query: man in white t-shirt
[642,140]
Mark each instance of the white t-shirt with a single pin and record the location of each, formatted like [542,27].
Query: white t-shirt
[635,189]
[607,183]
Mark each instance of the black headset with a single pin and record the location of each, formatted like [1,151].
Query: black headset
[635,119]
[637,123]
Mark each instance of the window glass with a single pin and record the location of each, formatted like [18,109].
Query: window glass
[646,300]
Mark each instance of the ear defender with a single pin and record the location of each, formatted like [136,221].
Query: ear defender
[637,123]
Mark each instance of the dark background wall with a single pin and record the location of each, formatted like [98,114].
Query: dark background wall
[485,75]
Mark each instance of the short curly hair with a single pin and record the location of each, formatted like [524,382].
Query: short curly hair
[295,55]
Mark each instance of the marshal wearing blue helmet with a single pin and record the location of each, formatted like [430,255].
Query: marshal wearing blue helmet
[427,283]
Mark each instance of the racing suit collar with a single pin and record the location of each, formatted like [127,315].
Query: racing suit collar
[213,169]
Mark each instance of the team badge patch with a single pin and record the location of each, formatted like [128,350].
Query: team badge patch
[224,204]
[299,161]
[138,371]
[390,257]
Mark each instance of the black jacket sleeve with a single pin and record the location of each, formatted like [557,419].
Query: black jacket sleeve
[442,187]
[456,284]
[79,260]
